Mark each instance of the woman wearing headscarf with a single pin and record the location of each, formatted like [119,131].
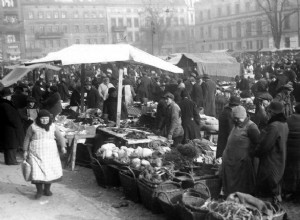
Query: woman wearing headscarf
[41,152]
[110,106]
[291,179]
[237,173]
[53,102]
[11,129]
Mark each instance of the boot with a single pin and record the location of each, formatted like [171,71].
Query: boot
[47,191]
[39,188]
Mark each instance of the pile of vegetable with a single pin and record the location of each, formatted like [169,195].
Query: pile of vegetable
[136,135]
[155,175]
[231,211]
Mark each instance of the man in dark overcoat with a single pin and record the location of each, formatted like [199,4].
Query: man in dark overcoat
[272,153]
[190,118]
[197,93]
[209,91]
[226,124]
[63,90]
[93,97]
[11,129]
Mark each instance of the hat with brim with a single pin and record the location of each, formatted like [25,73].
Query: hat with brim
[234,101]
[168,95]
[194,75]
[205,76]
[276,107]
[6,92]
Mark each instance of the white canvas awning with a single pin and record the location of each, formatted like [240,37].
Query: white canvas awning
[103,53]
[18,72]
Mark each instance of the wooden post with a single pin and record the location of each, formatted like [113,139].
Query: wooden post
[120,85]
[82,80]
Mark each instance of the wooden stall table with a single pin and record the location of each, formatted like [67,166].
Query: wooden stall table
[128,142]
[73,140]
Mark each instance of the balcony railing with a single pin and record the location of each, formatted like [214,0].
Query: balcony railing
[118,28]
[49,35]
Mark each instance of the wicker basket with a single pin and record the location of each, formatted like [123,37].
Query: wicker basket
[129,184]
[149,194]
[106,175]
[185,179]
[169,202]
[214,185]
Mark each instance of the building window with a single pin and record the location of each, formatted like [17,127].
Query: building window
[249,44]
[208,14]
[221,46]
[43,43]
[202,48]
[247,6]
[176,35]
[86,15]
[210,47]
[87,28]
[51,43]
[209,31]
[220,29]
[30,15]
[120,22]
[238,29]
[248,28]
[230,45]
[48,15]
[77,41]
[228,10]
[229,31]
[76,28]
[129,36]
[168,21]
[129,23]
[128,10]
[183,35]
[65,28]
[286,22]
[48,29]
[55,28]
[136,36]
[219,12]
[88,41]
[259,44]
[65,42]
[201,15]
[101,14]
[239,45]
[55,15]
[136,22]
[259,27]
[76,14]
[181,21]
[237,8]
[94,15]
[42,29]
[201,32]
[101,28]
[287,42]
[113,22]
[40,15]
[31,29]
[63,14]
[95,29]
[175,21]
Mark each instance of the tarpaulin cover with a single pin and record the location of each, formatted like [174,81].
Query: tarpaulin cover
[20,71]
[103,53]
[211,63]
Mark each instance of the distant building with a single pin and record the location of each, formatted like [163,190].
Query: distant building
[50,25]
[240,25]
[11,28]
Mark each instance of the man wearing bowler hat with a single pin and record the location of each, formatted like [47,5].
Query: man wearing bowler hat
[272,153]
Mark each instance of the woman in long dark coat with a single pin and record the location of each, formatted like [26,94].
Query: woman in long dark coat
[11,129]
[272,153]
[209,93]
[237,171]
[190,117]
[291,179]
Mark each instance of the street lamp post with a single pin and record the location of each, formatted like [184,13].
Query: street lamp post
[152,37]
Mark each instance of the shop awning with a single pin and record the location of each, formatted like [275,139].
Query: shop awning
[18,72]
[103,53]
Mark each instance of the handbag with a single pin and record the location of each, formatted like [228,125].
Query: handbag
[26,170]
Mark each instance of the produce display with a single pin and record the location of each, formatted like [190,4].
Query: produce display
[136,135]
[231,211]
